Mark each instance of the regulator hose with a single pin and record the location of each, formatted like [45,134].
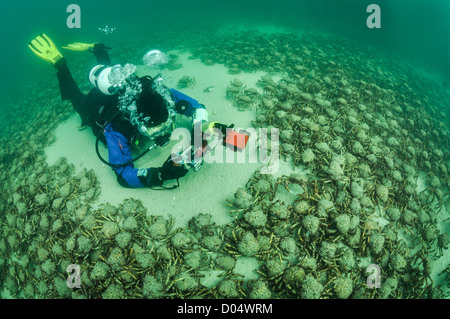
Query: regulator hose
[111,164]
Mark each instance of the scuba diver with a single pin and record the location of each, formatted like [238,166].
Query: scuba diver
[120,107]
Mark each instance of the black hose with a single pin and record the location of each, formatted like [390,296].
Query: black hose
[123,164]
[111,164]
[148,80]
[156,188]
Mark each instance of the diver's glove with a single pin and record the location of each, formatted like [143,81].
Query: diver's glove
[149,176]
[155,176]
[172,170]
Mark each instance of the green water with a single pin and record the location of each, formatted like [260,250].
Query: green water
[416,30]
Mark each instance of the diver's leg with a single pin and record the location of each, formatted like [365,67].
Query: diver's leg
[119,153]
[68,87]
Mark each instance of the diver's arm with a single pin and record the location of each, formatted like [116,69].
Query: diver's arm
[119,152]
[128,176]
[184,104]
[189,107]
[68,87]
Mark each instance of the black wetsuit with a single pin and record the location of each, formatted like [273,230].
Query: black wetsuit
[95,108]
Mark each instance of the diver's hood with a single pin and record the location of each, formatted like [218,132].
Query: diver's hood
[99,78]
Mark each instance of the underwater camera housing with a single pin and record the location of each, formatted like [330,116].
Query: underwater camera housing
[192,156]
[236,141]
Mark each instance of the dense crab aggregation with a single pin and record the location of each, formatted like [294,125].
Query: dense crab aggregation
[365,137]
[241,96]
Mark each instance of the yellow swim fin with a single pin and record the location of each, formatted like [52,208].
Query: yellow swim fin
[78,46]
[45,49]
